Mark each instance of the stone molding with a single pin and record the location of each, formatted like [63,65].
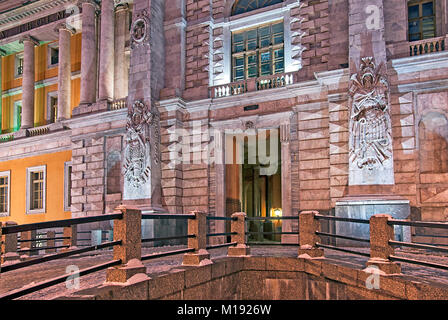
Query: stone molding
[65,26]
[30,39]
[23,13]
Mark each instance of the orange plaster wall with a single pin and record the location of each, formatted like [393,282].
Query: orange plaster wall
[54,187]
[42,72]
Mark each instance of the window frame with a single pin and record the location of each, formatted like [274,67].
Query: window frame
[52,46]
[17,58]
[8,175]
[245,54]
[420,18]
[29,171]
[17,118]
[237,2]
[67,186]
[51,95]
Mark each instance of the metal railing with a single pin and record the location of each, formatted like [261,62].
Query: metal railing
[271,233]
[129,228]
[9,233]
[384,225]
[196,242]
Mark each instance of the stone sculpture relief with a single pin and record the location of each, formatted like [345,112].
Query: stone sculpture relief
[370,124]
[140,29]
[137,164]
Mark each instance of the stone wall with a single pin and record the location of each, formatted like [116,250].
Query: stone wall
[265,278]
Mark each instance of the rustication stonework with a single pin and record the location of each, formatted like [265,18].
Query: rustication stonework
[361,109]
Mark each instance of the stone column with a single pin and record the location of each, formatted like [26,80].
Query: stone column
[380,249]
[308,226]
[198,227]
[286,183]
[128,230]
[2,54]
[238,225]
[88,52]
[65,72]
[121,72]
[28,82]
[106,72]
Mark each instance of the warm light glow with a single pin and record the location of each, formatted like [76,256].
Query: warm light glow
[276,212]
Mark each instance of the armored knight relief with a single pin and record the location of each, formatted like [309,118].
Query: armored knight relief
[137,164]
[370,142]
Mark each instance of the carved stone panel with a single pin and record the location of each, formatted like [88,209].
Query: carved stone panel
[370,142]
[137,162]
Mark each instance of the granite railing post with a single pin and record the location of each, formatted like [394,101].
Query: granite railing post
[380,249]
[9,245]
[129,231]
[308,226]
[198,228]
[71,233]
[50,243]
[238,225]
[26,242]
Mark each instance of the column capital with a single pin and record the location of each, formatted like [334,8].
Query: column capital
[65,26]
[121,5]
[27,37]
[3,53]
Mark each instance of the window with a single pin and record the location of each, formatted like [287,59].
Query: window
[242,6]
[421,17]
[53,55]
[18,65]
[4,193]
[17,113]
[258,52]
[52,107]
[35,195]
[67,186]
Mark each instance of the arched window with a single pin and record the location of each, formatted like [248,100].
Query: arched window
[242,6]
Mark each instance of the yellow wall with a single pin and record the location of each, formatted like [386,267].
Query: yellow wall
[54,187]
[42,72]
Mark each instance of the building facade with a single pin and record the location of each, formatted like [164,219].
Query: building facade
[268,107]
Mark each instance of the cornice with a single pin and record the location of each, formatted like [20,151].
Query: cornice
[21,15]
[419,63]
